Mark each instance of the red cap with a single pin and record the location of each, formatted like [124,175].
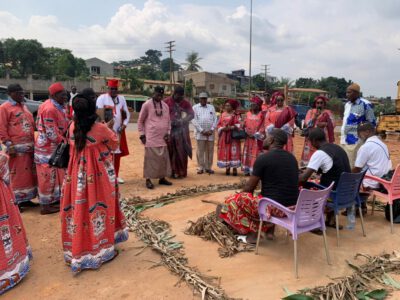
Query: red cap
[112,83]
[55,88]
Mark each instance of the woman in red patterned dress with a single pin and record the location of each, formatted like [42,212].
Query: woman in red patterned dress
[15,252]
[228,148]
[254,127]
[92,222]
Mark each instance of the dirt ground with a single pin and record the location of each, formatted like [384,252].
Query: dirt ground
[245,275]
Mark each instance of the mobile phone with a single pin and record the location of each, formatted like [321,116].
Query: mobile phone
[108,115]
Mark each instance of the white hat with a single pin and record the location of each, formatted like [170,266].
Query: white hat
[203,95]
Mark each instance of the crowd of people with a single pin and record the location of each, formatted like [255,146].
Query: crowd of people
[87,191]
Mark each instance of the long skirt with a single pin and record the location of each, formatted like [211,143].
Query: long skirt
[50,181]
[240,211]
[23,177]
[251,150]
[179,148]
[228,153]
[15,252]
[156,162]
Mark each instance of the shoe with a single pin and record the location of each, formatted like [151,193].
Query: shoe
[210,172]
[164,181]
[120,180]
[48,209]
[234,172]
[149,184]
[28,204]
[21,210]
[200,172]
[228,172]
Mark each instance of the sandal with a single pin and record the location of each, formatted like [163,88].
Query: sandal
[333,225]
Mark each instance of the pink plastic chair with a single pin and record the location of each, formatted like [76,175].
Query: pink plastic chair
[393,189]
[308,215]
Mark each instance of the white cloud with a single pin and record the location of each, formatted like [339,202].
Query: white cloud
[353,39]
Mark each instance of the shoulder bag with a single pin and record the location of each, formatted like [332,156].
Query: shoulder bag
[60,157]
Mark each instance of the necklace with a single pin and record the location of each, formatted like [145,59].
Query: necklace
[158,113]
[115,100]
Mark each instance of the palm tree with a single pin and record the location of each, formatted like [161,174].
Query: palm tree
[192,61]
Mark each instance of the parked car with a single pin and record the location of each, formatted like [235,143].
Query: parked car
[301,113]
[32,105]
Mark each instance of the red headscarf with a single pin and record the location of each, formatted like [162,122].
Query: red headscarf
[323,98]
[233,102]
[112,83]
[257,100]
[56,88]
[275,95]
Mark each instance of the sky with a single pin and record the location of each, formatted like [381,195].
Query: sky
[354,39]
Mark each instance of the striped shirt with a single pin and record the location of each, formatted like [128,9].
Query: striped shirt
[205,119]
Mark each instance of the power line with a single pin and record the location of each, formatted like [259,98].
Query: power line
[265,69]
[170,49]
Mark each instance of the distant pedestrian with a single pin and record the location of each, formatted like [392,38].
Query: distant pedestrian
[17,135]
[356,111]
[72,94]
[15,252]
[116,104]
[267,102]
[52,123]
[205,122]
[229,153]
[154,126]
[91,219]
[179,145]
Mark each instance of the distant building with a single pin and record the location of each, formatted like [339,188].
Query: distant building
[215,84]
[151,84]
[239,76]
[99,67]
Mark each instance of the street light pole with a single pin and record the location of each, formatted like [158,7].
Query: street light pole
[251,38]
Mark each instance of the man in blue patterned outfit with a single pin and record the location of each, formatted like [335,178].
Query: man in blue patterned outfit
[356,111]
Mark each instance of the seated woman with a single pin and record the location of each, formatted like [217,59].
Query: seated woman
[278,172]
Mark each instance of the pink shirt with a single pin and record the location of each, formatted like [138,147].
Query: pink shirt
[52,124]
[152,126]
[17,126]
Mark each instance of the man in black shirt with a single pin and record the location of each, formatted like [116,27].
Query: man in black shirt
[278,172]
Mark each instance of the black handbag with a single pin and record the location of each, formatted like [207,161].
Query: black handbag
[60,157]
[238,134]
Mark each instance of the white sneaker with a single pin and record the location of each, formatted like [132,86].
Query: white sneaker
[120,180]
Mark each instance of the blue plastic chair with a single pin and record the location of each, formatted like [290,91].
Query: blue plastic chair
[345,196]
[307,216]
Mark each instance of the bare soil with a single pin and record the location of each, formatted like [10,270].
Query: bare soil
[245,275]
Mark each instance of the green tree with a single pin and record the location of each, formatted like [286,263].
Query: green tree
[306,83]
[189,88]
[335,86]
[153,58]
[165,65]
[192,61]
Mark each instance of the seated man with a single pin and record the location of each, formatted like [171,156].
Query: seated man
[278,172]
[330,160]
[372,156]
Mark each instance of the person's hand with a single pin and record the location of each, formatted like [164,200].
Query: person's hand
[110,124]
[166,138]
[123,127]
[143,139]
[11,151]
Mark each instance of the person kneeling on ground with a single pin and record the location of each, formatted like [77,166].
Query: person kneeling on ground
[330,160]
[278,172]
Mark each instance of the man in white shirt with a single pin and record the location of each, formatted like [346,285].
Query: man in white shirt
[205,122]
[372,156]
[116,104]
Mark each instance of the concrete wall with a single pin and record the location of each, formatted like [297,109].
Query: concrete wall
[214,84]
[106,69]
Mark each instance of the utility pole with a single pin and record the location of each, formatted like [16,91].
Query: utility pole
[265,69]
[170,49]
[251,39]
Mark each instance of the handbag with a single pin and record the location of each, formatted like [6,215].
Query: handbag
[60,157]
[238,134]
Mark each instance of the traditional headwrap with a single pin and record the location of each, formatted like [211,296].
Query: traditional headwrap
[56,88]
[354,87]
[257,100]
[323,98]
[112,83]
[233,102]
[275,95]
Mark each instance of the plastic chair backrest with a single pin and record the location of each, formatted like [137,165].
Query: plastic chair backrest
[310,206]
[348,188]
[395,183]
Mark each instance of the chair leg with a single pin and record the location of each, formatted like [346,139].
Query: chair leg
[362,221]
[391,217]
[258,236]
[373,205]
[296,274]
[328,259]
[337,229]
